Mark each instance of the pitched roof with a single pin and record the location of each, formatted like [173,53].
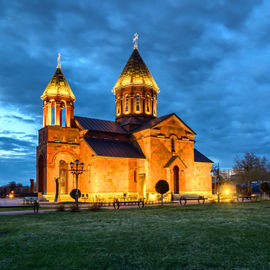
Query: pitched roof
[99,125]
[135,73]
[58,87]
[172,159]
[158,120]
[114,148]
[152,122]
[199,157]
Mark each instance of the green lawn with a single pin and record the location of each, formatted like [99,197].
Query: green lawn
[225,236]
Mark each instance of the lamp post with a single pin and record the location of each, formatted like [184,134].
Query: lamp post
[77,171]
[215,174]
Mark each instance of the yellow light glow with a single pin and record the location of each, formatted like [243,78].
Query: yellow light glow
[227,191]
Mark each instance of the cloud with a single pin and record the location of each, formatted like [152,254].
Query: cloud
[209,58]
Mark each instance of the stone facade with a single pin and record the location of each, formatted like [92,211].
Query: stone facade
[122,159]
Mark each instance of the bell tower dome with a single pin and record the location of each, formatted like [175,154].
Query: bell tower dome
[58,97]
[135,93]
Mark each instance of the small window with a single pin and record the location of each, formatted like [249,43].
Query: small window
[172,145]
[126,109]
[135,176]
[137,102]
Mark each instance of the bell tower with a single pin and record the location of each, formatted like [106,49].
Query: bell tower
[58,100]
[58,142]
[135,92]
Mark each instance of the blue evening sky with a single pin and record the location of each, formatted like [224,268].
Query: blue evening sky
[210,59]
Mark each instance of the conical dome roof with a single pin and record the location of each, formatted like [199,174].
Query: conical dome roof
[135,73]
[58,87]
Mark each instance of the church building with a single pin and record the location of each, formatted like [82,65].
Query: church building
[124,158]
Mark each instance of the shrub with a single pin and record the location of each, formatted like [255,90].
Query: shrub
[60,208]
[212,201]
[74,208]
[264,187]
[73,193]
[162,187]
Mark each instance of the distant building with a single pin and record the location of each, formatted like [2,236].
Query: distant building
[228,173]
[125,156]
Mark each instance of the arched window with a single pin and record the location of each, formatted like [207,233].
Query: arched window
[147,104]
[172,146]
[126,108]
[63,177]
[137,102]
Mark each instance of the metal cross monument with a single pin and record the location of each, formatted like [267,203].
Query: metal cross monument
[58,60]
[135,40]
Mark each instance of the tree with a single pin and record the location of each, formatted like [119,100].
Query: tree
[264,187]
[74,192]
[250,168]
[162,187]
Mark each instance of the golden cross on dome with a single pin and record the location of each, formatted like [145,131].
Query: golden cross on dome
[58,60]
[135,40]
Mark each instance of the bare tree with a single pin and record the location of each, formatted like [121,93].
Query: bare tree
[251,168]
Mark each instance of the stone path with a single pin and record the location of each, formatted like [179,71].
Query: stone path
[22,212]
[18,202]
[31,211]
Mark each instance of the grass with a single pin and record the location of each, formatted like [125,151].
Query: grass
[225,236]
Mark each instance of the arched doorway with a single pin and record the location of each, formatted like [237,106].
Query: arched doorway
[176,179]
[41,174]
[141,186]
[63,177]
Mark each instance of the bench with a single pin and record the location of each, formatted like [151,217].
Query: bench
[183,199]
[117,204]
[246,197]
[29,200]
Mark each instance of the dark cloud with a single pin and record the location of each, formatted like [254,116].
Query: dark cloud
[18,118]
[209,58]
[15,145]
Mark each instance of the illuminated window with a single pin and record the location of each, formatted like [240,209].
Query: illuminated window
[137,102]
[147,104]
[172,145]
[126,109]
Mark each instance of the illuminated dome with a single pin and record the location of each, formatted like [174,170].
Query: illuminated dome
[135,73]
[58,87]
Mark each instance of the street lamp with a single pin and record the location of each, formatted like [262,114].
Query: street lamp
[77,171]
[215,174]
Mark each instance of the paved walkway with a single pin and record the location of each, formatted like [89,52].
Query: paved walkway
[22,212]
[19,202]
